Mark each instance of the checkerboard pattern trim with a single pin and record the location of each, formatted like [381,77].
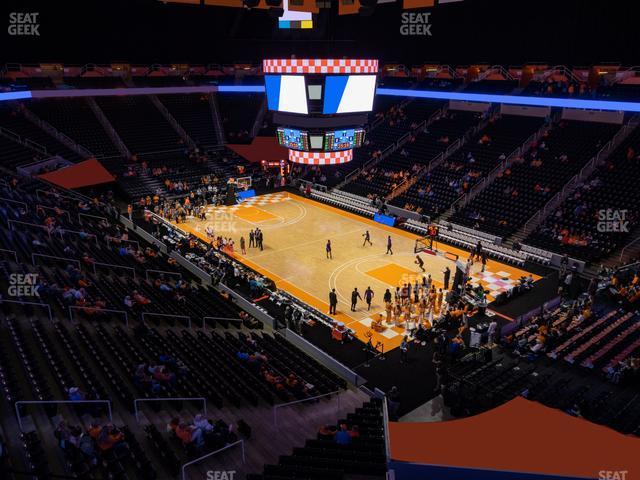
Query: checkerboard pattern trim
[320,158]
[295,65]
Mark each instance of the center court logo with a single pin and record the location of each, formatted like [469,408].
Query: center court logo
[24,24]
[223,221]
[415,24]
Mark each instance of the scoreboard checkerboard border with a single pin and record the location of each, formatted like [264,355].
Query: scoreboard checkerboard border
[321,158]
[302,66]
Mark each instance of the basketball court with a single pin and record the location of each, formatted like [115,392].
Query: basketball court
[296,231]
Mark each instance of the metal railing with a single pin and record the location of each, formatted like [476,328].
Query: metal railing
[54,194]
[72,308]
[493,69]
[57,402]
[199,459]
[146,273]
[55,209]
[23,141]
[26,208]
[387,437]
[167,315]
[104,121]
[569,187]
[622,252]
[136,401]
[41,255]
[80,215]
[296,402]
[111,265]
[109,239]
[164,111]
[227,319]
[15,255]
[11,222]
[37,304]
[77,232]
[54,132]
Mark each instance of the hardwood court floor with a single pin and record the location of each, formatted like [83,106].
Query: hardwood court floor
[296,230]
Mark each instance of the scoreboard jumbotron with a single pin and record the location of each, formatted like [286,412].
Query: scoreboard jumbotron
[320,105]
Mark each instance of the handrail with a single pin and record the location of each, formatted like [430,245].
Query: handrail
[168,223]
[627,246]
[22,302]
[109,238]
[167,399]
[34,255]
[44,207]
[55,194]
[112,265]
[387,436]
[15,254]
[15,201]
[241,442]
[569,186]
[81,214]
[160,271]
[228,319]
[70,309]
[56,402]
[295,402]
[10,222]
[166,315]
[77,232]
[10,134]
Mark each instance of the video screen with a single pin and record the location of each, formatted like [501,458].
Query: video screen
[316,141]
[349,94]
[344,139]
[293,19]
[315,92]
[286,93]
[294,139]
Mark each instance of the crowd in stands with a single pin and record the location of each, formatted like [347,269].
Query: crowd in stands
[599,215]
[354,445]
[532,179]
[558,88]
[202,432]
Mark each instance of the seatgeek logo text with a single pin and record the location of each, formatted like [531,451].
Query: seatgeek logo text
[24,24]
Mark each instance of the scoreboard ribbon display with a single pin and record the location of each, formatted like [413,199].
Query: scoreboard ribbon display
[343,139]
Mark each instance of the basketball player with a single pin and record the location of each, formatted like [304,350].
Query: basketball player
[259,239]
[387,296]
[389,245]
[355,295]
[447,276]
[368,296]
[420,263]
[367,238]
[328,249]
[333,301]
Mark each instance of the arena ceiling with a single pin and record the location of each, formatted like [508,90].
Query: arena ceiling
[507,32]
